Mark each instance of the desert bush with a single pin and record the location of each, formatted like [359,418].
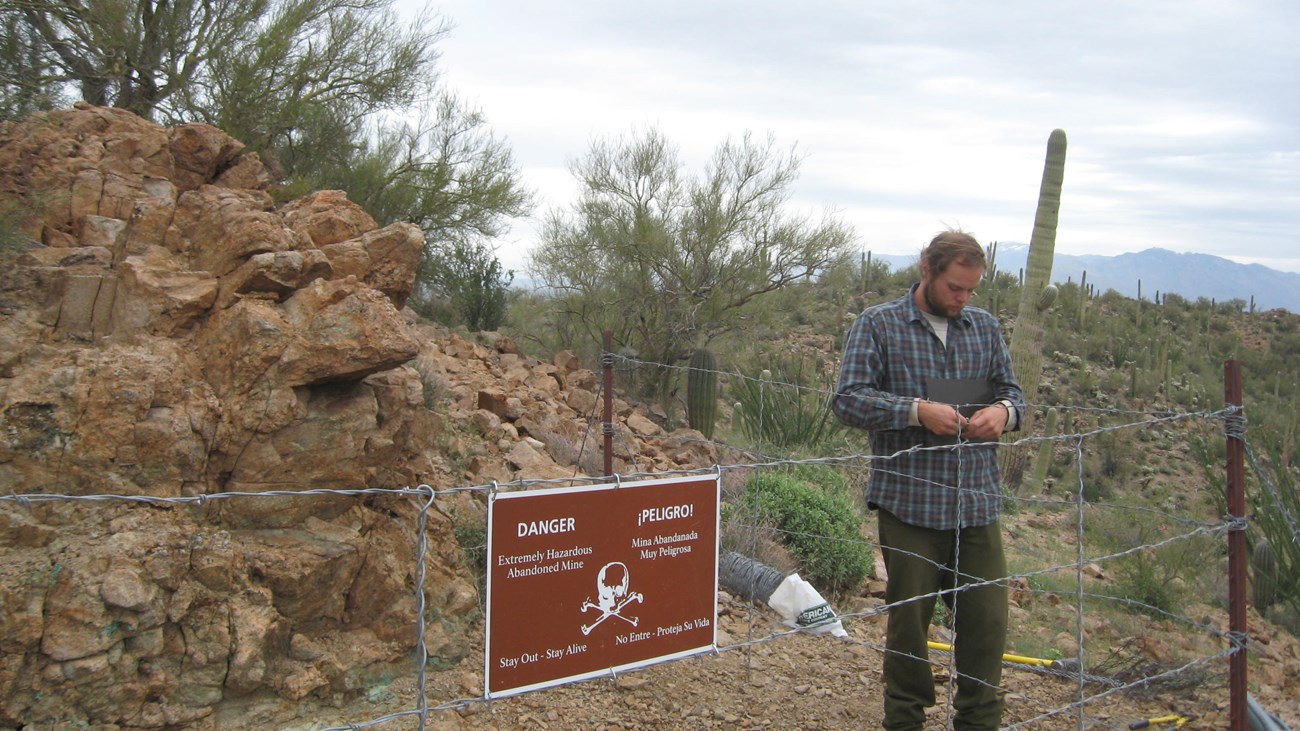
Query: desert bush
[818,519]
[1156,581]
[1144,580]
[472,538]
[1275,512]
[787,405]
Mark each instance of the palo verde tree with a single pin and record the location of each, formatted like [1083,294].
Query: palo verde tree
[444,171]
[303,89]
[25,60]
[289,78]
[169,60]
[667,261]
[132,54]
[466,275]
[332,94]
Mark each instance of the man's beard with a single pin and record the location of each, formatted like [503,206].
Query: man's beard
[935,307]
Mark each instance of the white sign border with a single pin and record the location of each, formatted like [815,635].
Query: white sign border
[612,671]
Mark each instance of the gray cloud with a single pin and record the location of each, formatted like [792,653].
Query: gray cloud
[1181,115]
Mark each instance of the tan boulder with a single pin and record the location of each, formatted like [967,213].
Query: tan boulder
[327,217]
[343,331]
[151,217]
[581,400]
[566,361]
[274,273]
[688,447]
[238,344]
[387,259]
[529,455]
[217,229]
[482,469]
[495,400]
[547,381]
[199,151]
[256,630]
[125,587]
[530,461]
[584,379]
[156,295]
[642,426]
[487,422]
[104,233]
[247,172]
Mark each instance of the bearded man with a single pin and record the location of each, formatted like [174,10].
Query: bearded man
[938,506]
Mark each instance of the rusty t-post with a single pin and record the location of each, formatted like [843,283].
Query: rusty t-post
[608,360]
[1235,430]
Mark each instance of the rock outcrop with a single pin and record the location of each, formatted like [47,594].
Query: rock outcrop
[168,330]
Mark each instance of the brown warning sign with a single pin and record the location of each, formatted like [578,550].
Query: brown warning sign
[588,580]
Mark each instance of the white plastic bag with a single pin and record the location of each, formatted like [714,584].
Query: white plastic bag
[802,607]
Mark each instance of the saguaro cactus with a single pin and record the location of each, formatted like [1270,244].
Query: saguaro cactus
[1043,462]
[702,392]
[1083,301]
[1027,338]
[1264,587]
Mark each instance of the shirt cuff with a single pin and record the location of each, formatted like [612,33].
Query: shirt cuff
[1013,418]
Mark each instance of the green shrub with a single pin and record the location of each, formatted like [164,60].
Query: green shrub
[473,545]
[1011,503]
[1158,580]
[1148,581]
[788,405]
[14,212]
[1275,504]
[466,282]
[819,520]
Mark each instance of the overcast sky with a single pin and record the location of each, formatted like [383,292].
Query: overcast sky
[1183,118]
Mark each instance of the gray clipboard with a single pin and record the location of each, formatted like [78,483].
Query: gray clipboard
[967,394]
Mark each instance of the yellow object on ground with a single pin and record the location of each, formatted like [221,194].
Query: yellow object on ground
[1008,657]
[1177,721]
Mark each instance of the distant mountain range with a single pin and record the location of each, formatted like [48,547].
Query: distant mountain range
[1190,275]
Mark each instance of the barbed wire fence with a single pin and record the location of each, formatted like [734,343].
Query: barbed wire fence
[1093,683]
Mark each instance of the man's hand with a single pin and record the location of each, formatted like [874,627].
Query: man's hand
[941,418]
[987,423]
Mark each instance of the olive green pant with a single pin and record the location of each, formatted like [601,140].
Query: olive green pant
[923,561]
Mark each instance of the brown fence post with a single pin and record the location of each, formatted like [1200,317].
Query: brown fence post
[1235,429]
[608,360]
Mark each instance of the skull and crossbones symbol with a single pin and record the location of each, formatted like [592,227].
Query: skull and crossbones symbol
[611,596]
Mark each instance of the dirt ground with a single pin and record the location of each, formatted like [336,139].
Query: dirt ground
[782,681]
[765,677]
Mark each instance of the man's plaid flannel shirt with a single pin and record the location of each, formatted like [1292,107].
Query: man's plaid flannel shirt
[890,352]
